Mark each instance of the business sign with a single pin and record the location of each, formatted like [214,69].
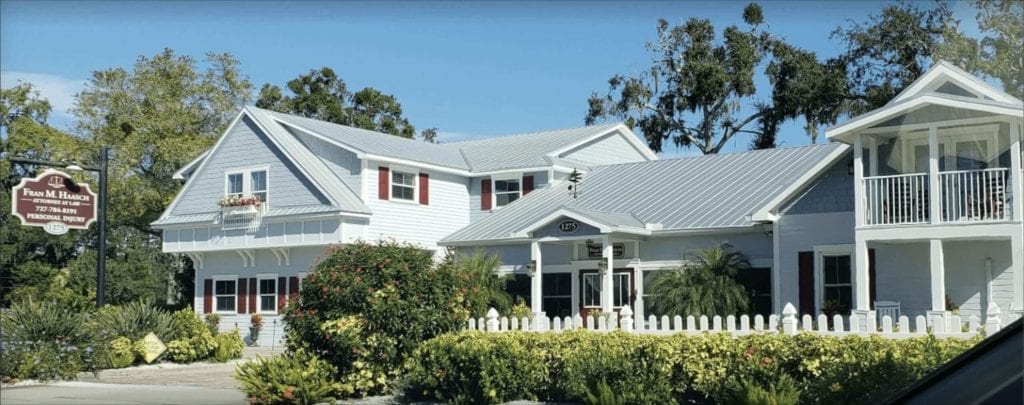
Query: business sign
[54,202]
[568,226]
[618,250]
[154,347]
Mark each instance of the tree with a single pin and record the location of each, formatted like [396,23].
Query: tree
[998,53]
[323,95]
[705,285]
[478,275]
[891,50]
[429,135]
[696,90]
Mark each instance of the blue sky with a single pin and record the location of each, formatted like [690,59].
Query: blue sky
[469,68]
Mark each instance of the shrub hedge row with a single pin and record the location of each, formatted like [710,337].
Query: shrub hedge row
[479,367]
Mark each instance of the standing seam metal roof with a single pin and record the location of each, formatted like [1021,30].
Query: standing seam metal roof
[688,193]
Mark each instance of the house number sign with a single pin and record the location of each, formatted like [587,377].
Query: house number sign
[568,226]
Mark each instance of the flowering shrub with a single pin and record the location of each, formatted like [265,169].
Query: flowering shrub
[238,201]
[365,307]
[709,368]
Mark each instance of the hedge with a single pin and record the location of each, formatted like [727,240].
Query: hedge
[480,367]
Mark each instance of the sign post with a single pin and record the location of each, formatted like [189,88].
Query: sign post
[53,201]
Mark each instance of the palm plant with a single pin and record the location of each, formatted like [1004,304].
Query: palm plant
[705,285]
[484,287]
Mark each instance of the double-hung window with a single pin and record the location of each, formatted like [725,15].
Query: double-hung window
[243,183]
[268,294]
[224,295]
[837,288]
[403,185]
[506,191]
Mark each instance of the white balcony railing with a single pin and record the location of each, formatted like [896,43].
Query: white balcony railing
[965,196]
[898,199]
[247,217]
[975,195]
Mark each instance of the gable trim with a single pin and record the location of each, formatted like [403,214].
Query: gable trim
[952,73]
[180,173]
[768,213]
[565,212]
[887,112]
[620,130]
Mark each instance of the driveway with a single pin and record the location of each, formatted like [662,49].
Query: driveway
[164,383]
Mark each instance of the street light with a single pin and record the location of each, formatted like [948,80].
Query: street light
[101,255]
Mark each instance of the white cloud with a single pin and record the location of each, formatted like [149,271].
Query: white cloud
[60,91]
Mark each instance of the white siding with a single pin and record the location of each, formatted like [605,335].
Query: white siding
[272,234]
[414,223]
[966,275]
[800,233]
[609,149]
[342,162]
[755,245]
[902,274]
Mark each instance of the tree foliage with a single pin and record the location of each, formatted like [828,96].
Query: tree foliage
[999,53]
[705,285]
[323,95]
[695,91]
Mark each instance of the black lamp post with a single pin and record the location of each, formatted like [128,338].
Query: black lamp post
[101,255]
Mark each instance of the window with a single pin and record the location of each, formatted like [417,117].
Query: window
[235,185]
[268,294]
[506,191]
[243,183]
[837,290]
[403,186]
[758,282]
[518,288]
[591,290]
[557,294]
[591,294]
[971,155]
[224,295]
[650,300]
[621,287]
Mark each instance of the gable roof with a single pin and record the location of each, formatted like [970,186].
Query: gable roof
[692,193]
[315,170]
[926,91]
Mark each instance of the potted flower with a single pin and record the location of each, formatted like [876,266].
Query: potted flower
[239,201]
[255,324]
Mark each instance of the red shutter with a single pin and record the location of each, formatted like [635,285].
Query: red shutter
[207,295]
[485,194]
[243,291]
[424,188]
[293,287]
[806,263]
[527,184]
[383,183]
[282,293]
[871,277]
[252,297]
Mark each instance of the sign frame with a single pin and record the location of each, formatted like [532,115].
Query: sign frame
[55,227]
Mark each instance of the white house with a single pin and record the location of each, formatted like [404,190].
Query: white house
[319,184]
[935,222]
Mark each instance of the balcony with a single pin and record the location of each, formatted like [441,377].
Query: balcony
[242,217]
[964,196]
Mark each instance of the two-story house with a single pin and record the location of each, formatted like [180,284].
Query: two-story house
[261,205]
[911,209]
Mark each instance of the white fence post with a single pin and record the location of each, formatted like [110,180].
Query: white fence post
[492,320]
[994,319]
[789,319]
[627,318]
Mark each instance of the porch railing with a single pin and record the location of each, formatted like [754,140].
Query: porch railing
[975,195]
[898,199]
[947,325]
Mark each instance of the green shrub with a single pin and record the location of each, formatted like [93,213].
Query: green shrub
[134,321]
[229,346]
[31,321]
[122,353]
[292,378]
[192,340]
[44,361]
[479,367]
[602,394]
[213,323]
[365,308]
[44,341]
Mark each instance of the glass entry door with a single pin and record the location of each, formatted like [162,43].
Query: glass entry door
[590,290]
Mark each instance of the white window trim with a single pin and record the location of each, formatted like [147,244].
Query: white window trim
[260,293]
[948,138]
[247,180]
[234,297]
[820,252]
[517,176]
[415,184]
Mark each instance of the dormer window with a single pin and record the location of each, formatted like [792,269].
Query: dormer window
[403,185]
[243,183]
[506,191]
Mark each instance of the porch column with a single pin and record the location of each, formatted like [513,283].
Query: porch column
[1016,186]
[862,282]
[858,180]
[535,280]
[934,190]
[1017,266]
[607,283]
[938,276]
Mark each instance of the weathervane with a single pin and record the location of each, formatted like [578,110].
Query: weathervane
[575,178]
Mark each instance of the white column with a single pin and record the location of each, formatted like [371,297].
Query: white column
[1017,266]
[938,275]
[1016,182]
[607,282]
[934,192]
[535,280]
[858,180]
[861,286]
[873,156]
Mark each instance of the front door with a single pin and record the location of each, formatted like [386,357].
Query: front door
[590,290]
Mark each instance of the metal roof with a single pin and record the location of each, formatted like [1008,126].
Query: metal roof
[692,193]
[523,150]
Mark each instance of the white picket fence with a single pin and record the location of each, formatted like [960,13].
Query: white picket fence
[947,325]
